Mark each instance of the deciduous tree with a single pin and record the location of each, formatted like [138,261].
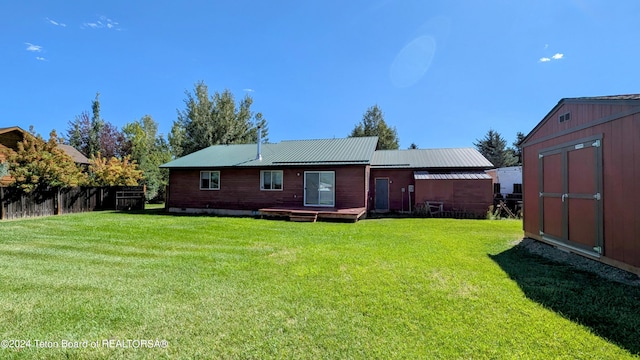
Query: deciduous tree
[42,164]
[91,135]
[113,171]
[373,124]
[149,150]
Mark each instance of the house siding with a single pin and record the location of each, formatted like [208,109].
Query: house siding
[240,188]
[398,179]
[467,196]
[470,196]
[620,146]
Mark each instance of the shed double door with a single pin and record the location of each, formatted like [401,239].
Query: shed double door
[570,199]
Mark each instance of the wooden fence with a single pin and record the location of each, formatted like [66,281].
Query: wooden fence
[15,204]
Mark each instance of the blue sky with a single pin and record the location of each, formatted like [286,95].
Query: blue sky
[443,72]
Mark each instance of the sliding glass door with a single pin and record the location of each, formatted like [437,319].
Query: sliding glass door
[319,188]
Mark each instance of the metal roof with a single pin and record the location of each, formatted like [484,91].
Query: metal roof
[345,151]
[608,97]
[625,99]
[430,158]
[424,175]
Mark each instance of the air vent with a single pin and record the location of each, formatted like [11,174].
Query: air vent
[564,117]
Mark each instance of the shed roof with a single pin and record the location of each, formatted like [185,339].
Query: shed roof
[430,158]
[344,151]
[425,175]
[632,99]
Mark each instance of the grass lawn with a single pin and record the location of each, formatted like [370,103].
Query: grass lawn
[246,288]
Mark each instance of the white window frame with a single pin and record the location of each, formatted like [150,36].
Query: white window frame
[271,174]
[210,172]
[333,200]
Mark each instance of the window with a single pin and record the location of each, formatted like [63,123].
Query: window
[319,188]
[271,180]
[209,180]
[564,117]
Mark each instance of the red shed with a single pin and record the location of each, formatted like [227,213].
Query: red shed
[581,179]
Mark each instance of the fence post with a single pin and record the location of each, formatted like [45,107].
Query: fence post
[59,201]
[2,212]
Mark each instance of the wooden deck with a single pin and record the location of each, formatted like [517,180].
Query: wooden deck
[311,214]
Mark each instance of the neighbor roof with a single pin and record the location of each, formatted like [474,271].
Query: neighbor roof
[430,158]
[76,155]
[12,128]
[347,151]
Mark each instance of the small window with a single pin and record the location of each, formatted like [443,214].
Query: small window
[209,180]
[271,180]
[564,117]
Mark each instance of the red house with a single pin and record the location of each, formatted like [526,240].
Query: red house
[581,179]
[453,179]
[327,177]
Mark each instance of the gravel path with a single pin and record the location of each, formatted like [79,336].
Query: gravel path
[580,262]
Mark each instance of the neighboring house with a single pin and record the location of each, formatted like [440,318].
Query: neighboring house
[78,157]
[453,178]
[582,181]
[9,139]
[11,136]
[331,174]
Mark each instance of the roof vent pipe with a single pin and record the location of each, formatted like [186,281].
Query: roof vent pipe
[259,155]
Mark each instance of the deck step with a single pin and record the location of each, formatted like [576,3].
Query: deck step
[303,217]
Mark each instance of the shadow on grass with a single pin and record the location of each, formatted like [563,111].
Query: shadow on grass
[608,308]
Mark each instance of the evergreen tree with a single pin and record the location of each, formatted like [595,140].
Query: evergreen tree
[493,147]
[516,149]
[93,135]
[212,120]
[373,124]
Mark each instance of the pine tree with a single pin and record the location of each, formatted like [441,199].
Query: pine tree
[493,147]
[373,124]
[212,120]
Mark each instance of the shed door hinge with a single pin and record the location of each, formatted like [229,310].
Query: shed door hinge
[597,196]
[596,143]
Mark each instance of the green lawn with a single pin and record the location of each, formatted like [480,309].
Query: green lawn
[245,288]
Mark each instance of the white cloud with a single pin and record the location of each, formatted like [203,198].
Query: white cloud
[248,90]
[41,58]
[53,22]
[101,23]
[34,48]
[557,56]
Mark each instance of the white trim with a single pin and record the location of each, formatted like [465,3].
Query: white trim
[333,199]
[210,172]
[271,171]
